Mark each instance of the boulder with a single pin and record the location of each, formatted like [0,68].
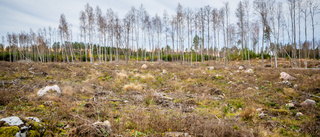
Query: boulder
[144,66]
[53,89]
[308,102]
[285,76]
[250,71]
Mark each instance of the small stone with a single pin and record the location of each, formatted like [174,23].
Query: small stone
[250,71]
[259,109]
[144,66]
[287,83]
[299,114]
[164,71]
[211,68]
[241,67]
[262,115]
[291,105]
[308,102]
[295,86]
[232,109]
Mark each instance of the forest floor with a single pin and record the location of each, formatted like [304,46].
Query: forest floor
[164,99]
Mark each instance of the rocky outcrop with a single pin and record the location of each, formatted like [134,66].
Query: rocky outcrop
[15,126]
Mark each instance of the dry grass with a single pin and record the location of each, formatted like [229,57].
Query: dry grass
[248,113]
[132,87]
[122,75]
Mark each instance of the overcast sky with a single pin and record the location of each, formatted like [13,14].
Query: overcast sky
[21,15]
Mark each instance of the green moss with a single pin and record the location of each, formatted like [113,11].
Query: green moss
[9,131]
[35,126]
[61,132]
[235,127]
[33,133]
[278,112]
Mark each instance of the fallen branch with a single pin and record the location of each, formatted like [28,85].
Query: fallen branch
[311,95]
[81,118]
[34,73]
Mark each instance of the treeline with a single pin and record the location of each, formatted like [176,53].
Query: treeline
[78,48]
[188,35]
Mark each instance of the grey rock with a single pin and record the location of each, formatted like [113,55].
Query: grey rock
[13,121]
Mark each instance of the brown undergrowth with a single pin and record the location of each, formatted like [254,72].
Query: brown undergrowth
[165,97]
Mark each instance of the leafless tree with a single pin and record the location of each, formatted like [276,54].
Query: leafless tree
[261,8]
[166,28]
[240,13]
[90,18]
[207,10]
[305,13]
[314,10]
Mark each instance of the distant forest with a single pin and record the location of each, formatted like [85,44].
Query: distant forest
[188,36]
